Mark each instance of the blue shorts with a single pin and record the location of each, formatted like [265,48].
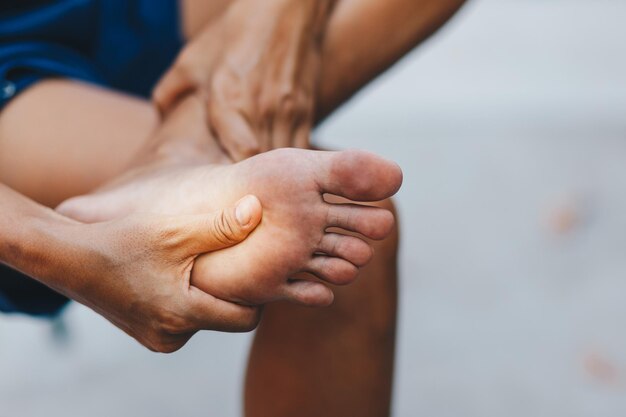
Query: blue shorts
[121,44]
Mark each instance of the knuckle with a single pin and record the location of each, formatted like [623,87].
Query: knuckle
[151,346]
[183,70]
[159,95]
[155,343]
[290,109]
[248,148]
[304,98]
[187,68]
[169,348]
[167,236]
[266,111]
[228,87]
[288,103]
[267,106]
[161,346]
[169,322]
[287,88]
[250,321]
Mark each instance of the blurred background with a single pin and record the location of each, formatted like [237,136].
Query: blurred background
[510,126]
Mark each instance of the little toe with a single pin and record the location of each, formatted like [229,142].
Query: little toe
[350,248]
[336,271]
[372,222]
[308,293]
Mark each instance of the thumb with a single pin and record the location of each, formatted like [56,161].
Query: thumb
[225,228]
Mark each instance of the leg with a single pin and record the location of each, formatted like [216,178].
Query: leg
[349,348]
[72,148]
[336,361]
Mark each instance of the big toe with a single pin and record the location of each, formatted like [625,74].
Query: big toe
[360,176]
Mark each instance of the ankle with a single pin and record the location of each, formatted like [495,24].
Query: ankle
[185,137]
[181,149]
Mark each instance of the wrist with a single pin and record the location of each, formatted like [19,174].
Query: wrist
[33,242]
[318,12]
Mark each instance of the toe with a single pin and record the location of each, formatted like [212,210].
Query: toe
[308,293]
[336,271]
[350,248]
[372,222]
[361,176]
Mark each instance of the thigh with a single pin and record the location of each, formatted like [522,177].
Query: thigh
[366,37]
[344,353]
[61,138]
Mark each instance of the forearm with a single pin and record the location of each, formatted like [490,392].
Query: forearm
[130,270]
[316,13]
[33,240]
[359,38]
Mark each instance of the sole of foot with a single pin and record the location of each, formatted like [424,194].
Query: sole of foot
[293,237]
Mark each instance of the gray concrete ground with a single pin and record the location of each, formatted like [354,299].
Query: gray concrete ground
[511,129]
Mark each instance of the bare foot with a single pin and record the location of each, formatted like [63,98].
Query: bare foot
[292,237]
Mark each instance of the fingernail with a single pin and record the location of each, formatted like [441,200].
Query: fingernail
[243,211]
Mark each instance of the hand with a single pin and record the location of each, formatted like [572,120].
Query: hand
[136,273]
[258,68]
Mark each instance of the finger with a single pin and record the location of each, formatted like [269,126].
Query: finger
[172,85]
[302,134]
[281,135]
[209,313]
[167,343]
[265,126]
[286,117]
[154,340]
[207,233]
[233,131]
